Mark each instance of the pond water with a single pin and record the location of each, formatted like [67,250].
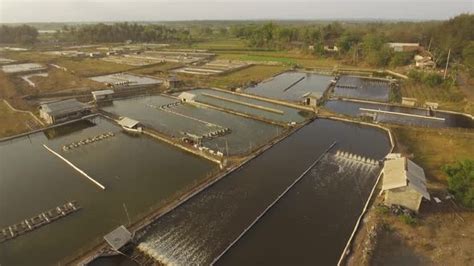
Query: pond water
[362,88]
[199,230]
[283,114]
[245,134]
[136,171]
[278,87]
[450,120]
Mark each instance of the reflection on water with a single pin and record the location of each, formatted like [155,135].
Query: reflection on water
[450,119]
[292,86]
[200,229]
[137,171]
[313,221]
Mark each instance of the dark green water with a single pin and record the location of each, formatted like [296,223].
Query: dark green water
[137,171]
[325,205]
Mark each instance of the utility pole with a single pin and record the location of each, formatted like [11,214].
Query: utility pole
[126,212]
[447,63]
[429,45]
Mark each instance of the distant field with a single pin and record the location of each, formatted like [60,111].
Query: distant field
[156,69]
[448,98]
[242,77]
[91,67]
[221,44]
[62,80]
[287,58]
[433,148]
[12,122]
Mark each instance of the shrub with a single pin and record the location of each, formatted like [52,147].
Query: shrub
[408,219]
[461,181]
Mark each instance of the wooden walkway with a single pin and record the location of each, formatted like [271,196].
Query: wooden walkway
[44,218]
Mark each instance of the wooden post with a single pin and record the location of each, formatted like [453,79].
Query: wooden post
[447,63]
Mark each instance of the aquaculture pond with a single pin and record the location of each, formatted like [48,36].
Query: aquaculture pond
[137,172]
[292,86]
[401,115]
[325,205]
[249,106]
[362,88]
[174,118]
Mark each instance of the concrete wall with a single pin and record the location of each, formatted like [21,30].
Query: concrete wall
[405,197]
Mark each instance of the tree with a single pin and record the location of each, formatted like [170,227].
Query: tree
[461,181]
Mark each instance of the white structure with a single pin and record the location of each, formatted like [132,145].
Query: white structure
[23,68]
[312,98]
[118,237]
[130,124]
[404,183]
[404,47]
[61,111]
[103,95]
[186,97]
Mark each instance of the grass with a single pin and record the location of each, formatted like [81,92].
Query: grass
[448,98]
[86,67]
[282,57]
[62,80]
[156,69]
[433,148]
[241,77]
[12,122]
[221,44]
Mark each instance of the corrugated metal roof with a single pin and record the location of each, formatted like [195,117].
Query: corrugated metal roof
[64,107]
[401,172]
[118,237]
[128,122]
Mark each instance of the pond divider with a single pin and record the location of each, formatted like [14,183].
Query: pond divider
[294,83]
[273,203]
[75,167]
[263,108]
[401,114]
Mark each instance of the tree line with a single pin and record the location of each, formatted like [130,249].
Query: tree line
[22,34]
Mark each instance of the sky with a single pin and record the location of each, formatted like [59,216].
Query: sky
[169,10]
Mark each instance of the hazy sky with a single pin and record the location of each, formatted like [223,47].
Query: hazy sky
[164,10]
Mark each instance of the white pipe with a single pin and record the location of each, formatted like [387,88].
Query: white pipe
[75,167]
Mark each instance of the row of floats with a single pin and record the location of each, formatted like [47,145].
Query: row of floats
[87,141]
[37,221]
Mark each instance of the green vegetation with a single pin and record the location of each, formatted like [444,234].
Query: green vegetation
[121,32]
[461,181]
[433,148]
[244,77]
[22,34]
[12,122]
[408,219]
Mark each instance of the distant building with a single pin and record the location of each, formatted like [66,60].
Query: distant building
[312,98]
[61,111]
[95,54]
[408,101]
[186,97]
[173,83]
[118,238]
[103,95]
[404,183]
[404,47]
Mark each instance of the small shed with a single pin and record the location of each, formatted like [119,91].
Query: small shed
[103,95]
[118,238]
[173,83]
[61,111]
[129,124]
[408,101]
[404,47]
[187,97]
[312,98]
[404,183]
